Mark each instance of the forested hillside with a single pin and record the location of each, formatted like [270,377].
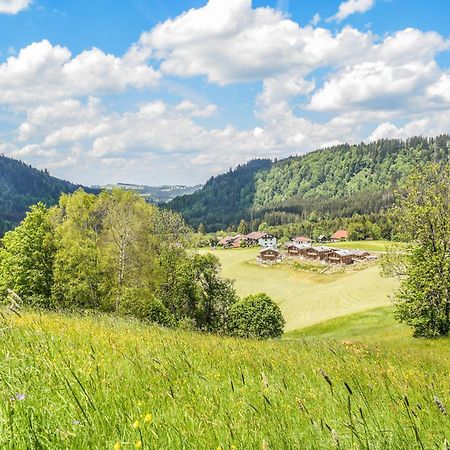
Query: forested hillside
[336,182]
[224,199]
[21,186]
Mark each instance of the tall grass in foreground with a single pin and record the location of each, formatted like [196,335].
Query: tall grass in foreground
[103,383]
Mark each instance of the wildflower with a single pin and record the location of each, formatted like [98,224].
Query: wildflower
[117,446]
[76,422]
[148,418]
[19,397]
[136,424]
[138,444]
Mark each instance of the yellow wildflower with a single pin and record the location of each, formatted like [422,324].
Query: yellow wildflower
[117,446]
[136,424]
[148,418]
[138,444]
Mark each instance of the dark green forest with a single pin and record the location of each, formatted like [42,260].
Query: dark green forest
[331,184]
[224,199]
[21,186]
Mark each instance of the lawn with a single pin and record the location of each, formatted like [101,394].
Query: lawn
[98,382]
[307,297]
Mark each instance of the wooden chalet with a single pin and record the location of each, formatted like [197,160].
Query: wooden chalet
[319,253]
[297,249]
[341,257]
[322,238]
[270,254]
[359,255]
[302,240]
[340,235]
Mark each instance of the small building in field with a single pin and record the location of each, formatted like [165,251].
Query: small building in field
[270,254]
[340,235]
[322,238]
[297,249]
[224,241]
[360,255]
[319,253]
[341,257]
[302,240]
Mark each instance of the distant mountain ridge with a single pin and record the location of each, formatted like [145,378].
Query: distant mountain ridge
[339,181]
[156,194]
[22,186]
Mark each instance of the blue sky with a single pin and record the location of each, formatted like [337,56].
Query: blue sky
[153,92]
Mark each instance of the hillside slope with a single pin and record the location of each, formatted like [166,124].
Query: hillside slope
[79,382]
[224,199]
[334,182]
[21,186]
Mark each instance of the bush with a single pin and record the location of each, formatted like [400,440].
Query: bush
[256,316]
[142,304]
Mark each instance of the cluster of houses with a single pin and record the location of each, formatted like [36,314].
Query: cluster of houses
[302,247]
[260,238]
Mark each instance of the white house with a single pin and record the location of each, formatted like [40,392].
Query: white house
[267,240]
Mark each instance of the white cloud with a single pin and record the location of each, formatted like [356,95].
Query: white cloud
[432,125]
[13,6]
[350,7]
[42,73]
[231,42]
[393,75]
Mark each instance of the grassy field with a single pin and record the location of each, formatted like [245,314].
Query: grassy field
[370,246]
[71,382]
[307,297]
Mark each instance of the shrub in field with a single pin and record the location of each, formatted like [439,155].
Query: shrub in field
[142,304]
[256,316]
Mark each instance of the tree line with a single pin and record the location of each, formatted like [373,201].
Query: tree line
[114,252]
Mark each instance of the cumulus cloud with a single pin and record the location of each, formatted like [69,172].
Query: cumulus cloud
[350,7]
[230,42]
[13,6]
[42,73]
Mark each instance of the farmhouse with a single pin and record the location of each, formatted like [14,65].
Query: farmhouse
[340,235]
[322,238]
[270,254]
[261,238]
[297,249]
[224,241]
[320,253]
[302,240]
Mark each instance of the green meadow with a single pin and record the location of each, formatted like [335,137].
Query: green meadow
[309,293]
[81,382]
[370,246]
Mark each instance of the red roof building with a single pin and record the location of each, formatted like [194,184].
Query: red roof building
[340,235]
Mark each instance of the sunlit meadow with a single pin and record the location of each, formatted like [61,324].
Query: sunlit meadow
[101,382]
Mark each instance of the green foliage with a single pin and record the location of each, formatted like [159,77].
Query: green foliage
[421,216]
[193,289]
[26,258]
[141,303]
[256,316]
[114,252]
[242,228]
[223,200]
[22,186]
